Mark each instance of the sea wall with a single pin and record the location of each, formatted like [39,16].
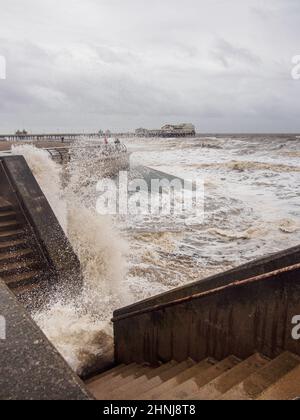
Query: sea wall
[239,312]
[31,369]
[19,186]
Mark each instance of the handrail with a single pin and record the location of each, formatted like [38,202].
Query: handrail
[104,149]
[232,285]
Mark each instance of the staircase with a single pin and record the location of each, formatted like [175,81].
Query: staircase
[256,378]
[21,265]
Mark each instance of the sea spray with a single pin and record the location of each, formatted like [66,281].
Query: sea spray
[252,209]
[94,237]
[48,174]
[88,165]
[81,329]
[80,337]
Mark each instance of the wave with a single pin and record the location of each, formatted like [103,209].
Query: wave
[81,329]
[242,166]
[289,226]
[233,235]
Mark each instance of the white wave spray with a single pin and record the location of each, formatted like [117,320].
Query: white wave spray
[81,329]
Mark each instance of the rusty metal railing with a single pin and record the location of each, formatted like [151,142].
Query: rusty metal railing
[235,284]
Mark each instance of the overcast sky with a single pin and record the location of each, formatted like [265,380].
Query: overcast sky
[224,65]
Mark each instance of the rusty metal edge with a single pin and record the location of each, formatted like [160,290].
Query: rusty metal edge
[235,284]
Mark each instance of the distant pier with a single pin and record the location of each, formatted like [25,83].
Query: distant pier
[47,137]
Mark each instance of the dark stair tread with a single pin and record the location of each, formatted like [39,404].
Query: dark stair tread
[18,278]
[8,224]
[21,290]
[9,233]
[18,265]
[7,213]
[5,204]
[16,254]
[12,244]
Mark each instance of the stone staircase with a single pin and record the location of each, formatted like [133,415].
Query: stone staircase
[21,265]
[256,378]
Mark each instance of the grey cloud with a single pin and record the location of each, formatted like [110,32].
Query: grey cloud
[123,64]
[229,54]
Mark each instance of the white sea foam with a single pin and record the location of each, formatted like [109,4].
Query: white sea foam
[48,174]
[81,329]
[251,209]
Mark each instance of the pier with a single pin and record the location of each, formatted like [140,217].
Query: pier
[47,137]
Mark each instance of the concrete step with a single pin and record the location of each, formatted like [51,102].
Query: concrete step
[158,392]
[106,386]
[193,385]
[12,234]
[160,379]
[101,385]
[21,280]
[252,387]
[15,255]
[9,225]
[285,389]
[219,386]
[7,215]
[109,373]
[12,245]
[110,388]
[132,376]
[121,390]
[24,290]
[5,205]
[100,388]
[9,270]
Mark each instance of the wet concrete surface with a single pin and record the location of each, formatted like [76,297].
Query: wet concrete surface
[30,367]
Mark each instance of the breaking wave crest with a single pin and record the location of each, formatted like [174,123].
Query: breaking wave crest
[80,329]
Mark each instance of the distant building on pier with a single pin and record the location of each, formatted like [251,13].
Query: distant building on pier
[21,134]
[169,130]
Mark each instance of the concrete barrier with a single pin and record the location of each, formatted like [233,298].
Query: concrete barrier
[30,367]
[239,312]
[257,267]
[19,187]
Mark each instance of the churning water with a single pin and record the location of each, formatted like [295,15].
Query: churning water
[252,208]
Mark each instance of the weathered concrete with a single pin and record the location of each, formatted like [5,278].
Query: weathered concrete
[254,268]
[224,318]
[30,367]
[21,188]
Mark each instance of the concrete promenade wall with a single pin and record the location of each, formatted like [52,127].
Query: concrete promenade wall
[238,312]
[30,367]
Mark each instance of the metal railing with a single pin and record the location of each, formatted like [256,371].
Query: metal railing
[106,150]
[235,284]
